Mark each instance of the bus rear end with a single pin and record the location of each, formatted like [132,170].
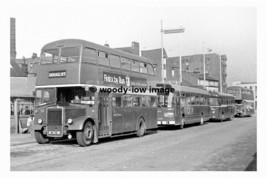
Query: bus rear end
[167,112]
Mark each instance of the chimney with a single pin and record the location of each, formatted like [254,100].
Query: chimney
[12,38]
[135,45]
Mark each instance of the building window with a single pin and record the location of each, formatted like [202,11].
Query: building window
[150,69]
[155,68]
[207,61]
[173,71]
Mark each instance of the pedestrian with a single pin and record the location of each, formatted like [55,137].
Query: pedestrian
[30,124]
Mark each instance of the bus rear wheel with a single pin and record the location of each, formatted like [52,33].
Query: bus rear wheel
[141,128]
[40,137]
[85,137]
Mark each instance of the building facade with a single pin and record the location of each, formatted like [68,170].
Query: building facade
[194,64]
[192,67]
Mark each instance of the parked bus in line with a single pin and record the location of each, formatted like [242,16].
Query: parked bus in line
[244,99]
[70,102]
[186,105]
[222,106]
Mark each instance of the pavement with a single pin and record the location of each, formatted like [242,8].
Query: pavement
[21,139]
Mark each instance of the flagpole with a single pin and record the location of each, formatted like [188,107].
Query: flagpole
[180,61]
[220,59]
[171,31]
[162,59]
[204,66]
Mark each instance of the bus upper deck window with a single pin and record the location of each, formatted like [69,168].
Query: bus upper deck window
[90,55]
[135,65]
[49,56]
[143,67]
[125,63]
[69,54]
[103,58]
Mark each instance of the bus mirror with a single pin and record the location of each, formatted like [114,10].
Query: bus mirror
[92,89]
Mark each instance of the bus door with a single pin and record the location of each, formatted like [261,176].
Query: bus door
[117,115]
[177,109]
[104,107]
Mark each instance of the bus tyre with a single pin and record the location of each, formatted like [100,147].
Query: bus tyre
[85,137]
[141,128]
[182,124]
[40,137]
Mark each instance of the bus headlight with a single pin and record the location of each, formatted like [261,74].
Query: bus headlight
[40,121]
[168,114]
[70,121]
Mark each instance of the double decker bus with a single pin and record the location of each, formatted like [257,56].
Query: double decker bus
[81,93]
[222,106]
[244,99]
[186,105]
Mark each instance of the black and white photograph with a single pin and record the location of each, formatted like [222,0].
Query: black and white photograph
[131,86]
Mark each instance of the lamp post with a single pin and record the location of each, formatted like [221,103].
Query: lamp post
[180,30]
[204,63]
[220,60]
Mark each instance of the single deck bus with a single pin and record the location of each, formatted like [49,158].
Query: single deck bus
[244,99]
[186,105]
[222,106]
[74,98]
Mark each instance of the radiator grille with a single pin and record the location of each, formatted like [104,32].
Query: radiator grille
[54,117]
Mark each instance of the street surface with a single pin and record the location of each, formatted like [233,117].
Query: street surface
[215,146]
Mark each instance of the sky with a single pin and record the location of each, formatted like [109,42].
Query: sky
[224,29]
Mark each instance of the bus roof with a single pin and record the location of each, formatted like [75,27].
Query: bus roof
[238,87]
[220,94]
[78,42]
[186,89]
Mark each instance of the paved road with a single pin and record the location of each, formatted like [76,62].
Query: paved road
[215,146]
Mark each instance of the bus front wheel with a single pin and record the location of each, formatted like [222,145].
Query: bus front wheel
[141,128]
[85,137]
[40,137]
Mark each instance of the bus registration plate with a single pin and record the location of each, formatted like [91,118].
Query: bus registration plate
[54,132]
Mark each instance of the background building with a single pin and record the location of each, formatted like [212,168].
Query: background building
[192,67]
[22,87]
[194,64]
